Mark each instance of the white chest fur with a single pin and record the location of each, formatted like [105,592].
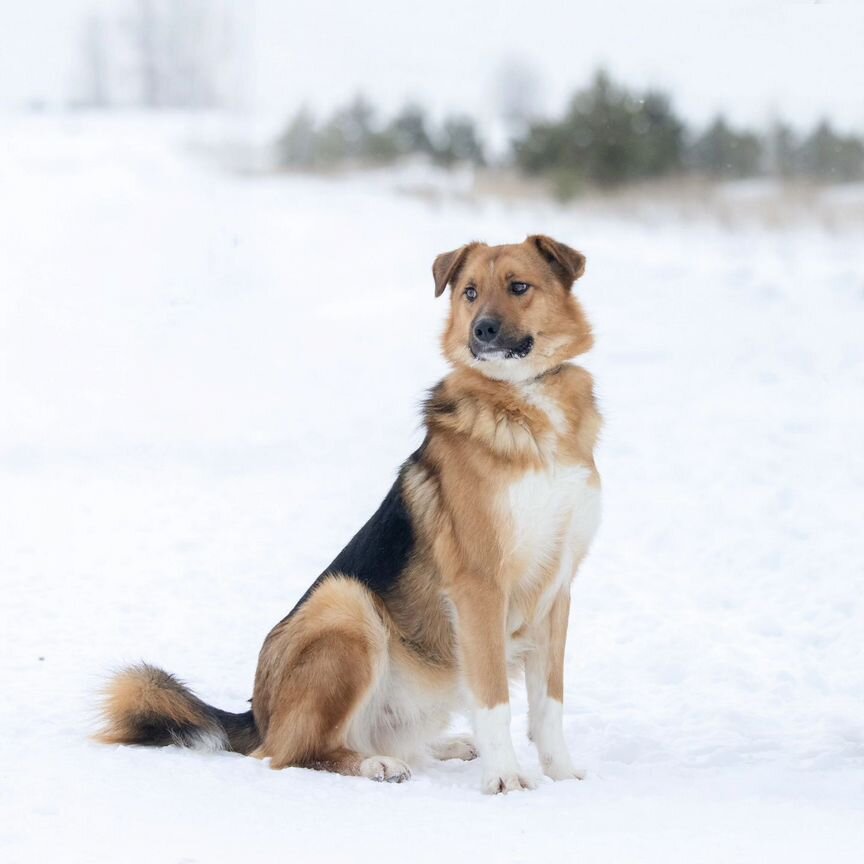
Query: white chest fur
[553,514]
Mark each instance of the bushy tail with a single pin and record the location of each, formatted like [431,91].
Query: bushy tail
[144,705]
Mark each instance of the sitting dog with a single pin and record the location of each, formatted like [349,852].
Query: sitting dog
[460,579]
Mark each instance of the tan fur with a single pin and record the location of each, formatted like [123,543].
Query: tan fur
[549,310]
[314,673]
[144,691]
[352,674]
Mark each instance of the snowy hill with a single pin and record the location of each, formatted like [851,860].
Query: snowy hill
[207,385]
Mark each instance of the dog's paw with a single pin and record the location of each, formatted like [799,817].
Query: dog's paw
[557,766]
[457,747]
[385,769]
[558,771]
[505,782]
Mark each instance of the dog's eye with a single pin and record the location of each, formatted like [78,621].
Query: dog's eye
[471,293]
[518,288]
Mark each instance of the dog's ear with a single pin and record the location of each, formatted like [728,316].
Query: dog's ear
[446,266]
[567,264]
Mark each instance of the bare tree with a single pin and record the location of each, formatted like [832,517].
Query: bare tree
[94,64]
[517,95]
[177,52]
[145,36]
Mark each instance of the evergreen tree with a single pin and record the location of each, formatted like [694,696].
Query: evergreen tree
[720,151]
[660,141]
[607,136]
[297,146]
[827,156]
[458,142]
[782,151]
[345,136]
[409,131]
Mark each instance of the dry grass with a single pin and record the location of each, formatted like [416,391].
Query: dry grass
[771,204]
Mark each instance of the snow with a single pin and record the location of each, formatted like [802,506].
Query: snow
[207,382]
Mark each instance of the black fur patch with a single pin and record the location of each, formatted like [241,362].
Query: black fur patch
[435,403]
[240,728]
[378,553]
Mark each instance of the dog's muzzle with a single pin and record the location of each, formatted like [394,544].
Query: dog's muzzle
[489,340]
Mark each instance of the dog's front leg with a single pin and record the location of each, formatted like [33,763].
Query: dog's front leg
[481,618]
[544,681]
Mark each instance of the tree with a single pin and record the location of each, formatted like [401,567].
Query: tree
[720,151]
[517,95]
[607,136]
[782,151]
[94,62]
[458,142]
[828,156]
[409,131]
[660,136]
[344,136]
[145,38]
[175,53]
[296,147]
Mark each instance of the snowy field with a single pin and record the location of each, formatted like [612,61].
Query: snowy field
[207,382]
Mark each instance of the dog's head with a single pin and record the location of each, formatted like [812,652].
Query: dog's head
[513,315]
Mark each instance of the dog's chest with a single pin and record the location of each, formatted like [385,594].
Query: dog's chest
[551,512]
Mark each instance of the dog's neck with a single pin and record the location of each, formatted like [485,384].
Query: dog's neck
[548,373]
[522,421]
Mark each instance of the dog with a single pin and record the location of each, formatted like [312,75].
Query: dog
[460,579]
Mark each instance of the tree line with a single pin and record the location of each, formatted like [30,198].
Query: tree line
[155,54]
[607,135]
[353,134]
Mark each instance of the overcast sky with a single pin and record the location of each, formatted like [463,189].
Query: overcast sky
[753,60]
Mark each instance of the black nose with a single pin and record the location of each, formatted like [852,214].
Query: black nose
[486,329]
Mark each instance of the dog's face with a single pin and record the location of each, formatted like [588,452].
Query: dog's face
[513,315]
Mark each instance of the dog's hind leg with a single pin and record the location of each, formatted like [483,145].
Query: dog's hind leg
[346,761]
[317,672]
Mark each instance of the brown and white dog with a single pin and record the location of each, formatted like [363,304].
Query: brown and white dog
[461,578]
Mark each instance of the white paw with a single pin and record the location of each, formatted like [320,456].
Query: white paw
[505,782]
[385,769]
[560,768]
[458,747]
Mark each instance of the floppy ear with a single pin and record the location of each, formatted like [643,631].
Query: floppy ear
[446,266]
[567,263]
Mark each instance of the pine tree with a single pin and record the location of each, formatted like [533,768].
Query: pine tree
[297,146]
[830,157]
[458,142]
[722,152]
[409,132]
[607,136]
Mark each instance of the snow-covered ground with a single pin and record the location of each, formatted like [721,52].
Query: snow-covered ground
[206,385]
